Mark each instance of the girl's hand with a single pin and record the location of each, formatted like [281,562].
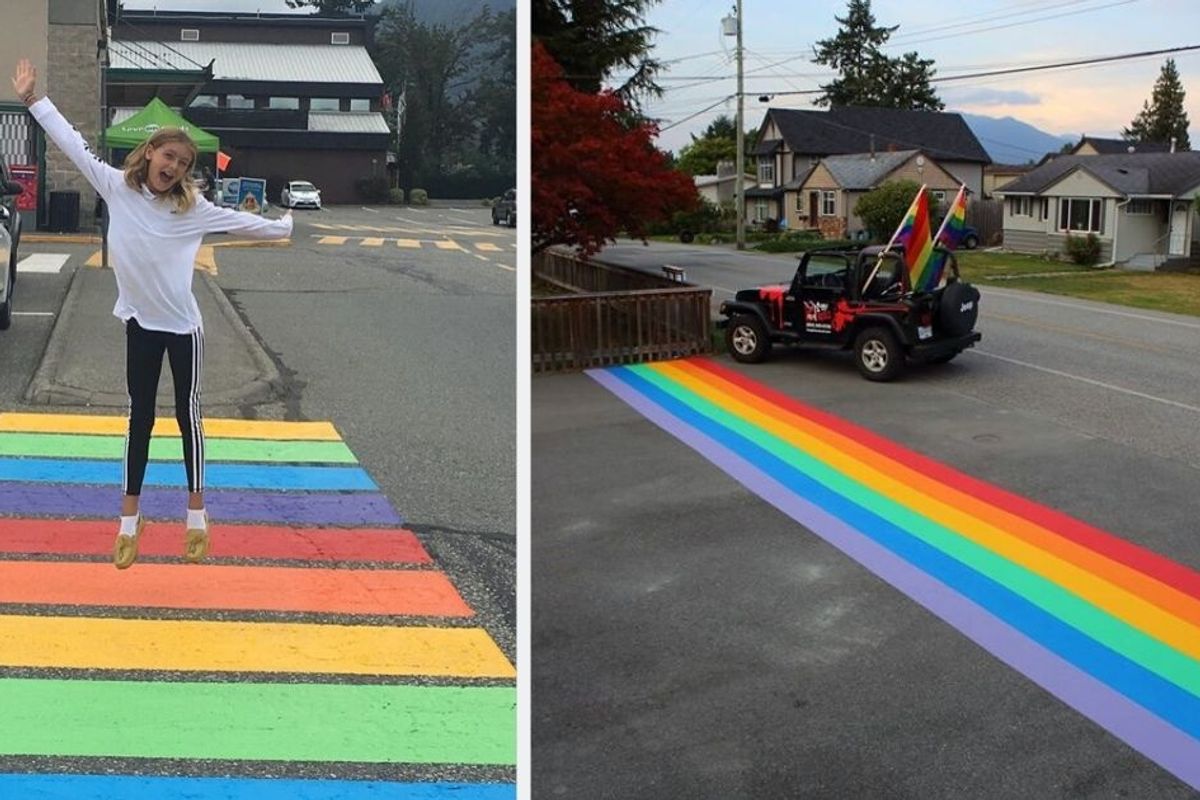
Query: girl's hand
[25,81]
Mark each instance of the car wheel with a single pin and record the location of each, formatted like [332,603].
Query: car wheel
[746,339]
[495,219]
[510,220]
[878,354]
[971,242]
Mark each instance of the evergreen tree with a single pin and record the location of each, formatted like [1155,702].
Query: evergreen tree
[1162,117]
[867,77]
[333,8]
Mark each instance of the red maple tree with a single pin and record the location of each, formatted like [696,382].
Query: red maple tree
[595,171]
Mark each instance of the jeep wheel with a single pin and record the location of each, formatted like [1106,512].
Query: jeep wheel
[746,338]
[878,354]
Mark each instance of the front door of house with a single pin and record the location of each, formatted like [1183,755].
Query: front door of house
[1179,231]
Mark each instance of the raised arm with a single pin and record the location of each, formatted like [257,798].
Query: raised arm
[101,176]
[214,219]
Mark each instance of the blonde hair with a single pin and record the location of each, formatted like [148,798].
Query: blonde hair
[137,166]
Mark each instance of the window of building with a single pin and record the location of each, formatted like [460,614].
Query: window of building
[766,169]
[939,196]
[360,104]
[800,203]
[1081,215]
[189,34]
[1140,207]
[1021,206]
[238,101]
[284,102]
[205,101]
[339,38]
[828,204]
[760,209]
[323,104]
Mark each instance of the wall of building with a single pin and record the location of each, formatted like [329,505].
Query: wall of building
[966,172]
[1141,233]
[25,39]
[334,172]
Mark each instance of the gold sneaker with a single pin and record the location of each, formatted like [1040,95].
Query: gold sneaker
[197,542]
[125,549]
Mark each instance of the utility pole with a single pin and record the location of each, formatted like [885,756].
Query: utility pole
[740,183]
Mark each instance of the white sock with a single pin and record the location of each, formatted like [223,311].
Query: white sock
[197,519]
[129,525]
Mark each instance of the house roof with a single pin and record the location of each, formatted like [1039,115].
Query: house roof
[244,61]
[1119,146]
[1131,174]
[850,129]
[323,121]
[713,180]
[767,146]
[864,171]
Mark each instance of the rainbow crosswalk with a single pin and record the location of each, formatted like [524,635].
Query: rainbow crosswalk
[1110,628]
[319,639]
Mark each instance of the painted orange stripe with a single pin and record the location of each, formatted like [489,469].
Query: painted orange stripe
[95,537]
[202,586]
[1168,598]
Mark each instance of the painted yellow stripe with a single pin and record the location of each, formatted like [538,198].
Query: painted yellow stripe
[198,645]
[1115,600]
[408,243]
[96,259]
[332,240]
[206,260]
[487,247]
[218,428]
[372,241]
[445,245]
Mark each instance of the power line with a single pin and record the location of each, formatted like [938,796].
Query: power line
[690,117]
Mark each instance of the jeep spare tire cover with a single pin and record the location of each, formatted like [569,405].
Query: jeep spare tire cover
[959,309]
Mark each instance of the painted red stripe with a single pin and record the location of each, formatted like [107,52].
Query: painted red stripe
[95,537]
[1159,567]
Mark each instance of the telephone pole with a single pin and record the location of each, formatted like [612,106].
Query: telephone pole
[741,143]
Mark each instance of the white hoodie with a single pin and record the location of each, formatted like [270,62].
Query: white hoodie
[153,245]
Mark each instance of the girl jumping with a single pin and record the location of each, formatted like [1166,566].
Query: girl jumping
[157,221]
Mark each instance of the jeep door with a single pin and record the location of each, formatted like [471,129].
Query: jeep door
[819,284]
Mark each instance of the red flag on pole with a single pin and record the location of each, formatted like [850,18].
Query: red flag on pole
[222,161]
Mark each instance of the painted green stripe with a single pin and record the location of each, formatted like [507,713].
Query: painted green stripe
[1115,634]
[301,722]
[65,445]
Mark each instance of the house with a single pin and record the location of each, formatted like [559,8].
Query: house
[1141,206]
[997,175]
[792,141]
[1094,146]
[289,95]
[824,199]
[721,189]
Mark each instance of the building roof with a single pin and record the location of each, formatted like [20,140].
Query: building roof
[767,146]
[347,122]
[1131,174]
[239,61]
[1118,146]
[863,171]
[944,136]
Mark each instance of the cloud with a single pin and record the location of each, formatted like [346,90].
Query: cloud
[989,97]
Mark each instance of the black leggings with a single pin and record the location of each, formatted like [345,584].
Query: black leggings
[143,366]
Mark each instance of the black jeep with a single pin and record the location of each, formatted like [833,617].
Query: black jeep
[841,299]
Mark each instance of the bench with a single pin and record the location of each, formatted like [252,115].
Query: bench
[674,273]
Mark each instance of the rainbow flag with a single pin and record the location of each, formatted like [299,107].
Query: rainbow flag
[1109,627]
[948,236]
[914,235]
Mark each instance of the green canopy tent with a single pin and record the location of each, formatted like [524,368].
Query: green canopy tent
[157,114]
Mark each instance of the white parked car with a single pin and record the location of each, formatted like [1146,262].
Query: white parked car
[10,237]
[300,193]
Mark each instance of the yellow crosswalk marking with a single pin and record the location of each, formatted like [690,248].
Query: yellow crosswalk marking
[371,241]
[447,245]
[487,247]
[408,243]
[205,259]
[332,240]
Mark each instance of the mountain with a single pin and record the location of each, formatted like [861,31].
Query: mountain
[1010,141]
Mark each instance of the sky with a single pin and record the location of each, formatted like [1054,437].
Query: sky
[961,38]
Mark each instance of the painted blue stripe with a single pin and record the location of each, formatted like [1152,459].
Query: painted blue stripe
[1149,690]
[137,787]
[216,476]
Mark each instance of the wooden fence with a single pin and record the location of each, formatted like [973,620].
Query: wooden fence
[641,321]
[987,217]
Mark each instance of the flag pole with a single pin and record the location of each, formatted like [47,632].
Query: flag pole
[892,241]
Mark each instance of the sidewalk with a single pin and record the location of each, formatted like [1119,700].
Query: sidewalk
[84,360]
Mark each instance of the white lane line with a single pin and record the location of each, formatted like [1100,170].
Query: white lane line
[505,266]
[1101,384]
[459,211]
[1029,296]
[481,258]
[33,313]
[373,211]
[42,262]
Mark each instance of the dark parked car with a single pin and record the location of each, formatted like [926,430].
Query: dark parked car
[10,239]
[505,209]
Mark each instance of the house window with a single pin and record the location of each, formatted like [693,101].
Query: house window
[189,34]
[1139,207]
[828,201]
[360,104]
[1044,209]
[800,203]
[284,102]
[1024,206]
[323,104]
[339,38]
[238,101]
[1081,215]
[760,209]
[766,169]
[939,196]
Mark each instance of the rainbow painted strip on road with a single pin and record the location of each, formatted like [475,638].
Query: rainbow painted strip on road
[1110,628]
[281,647]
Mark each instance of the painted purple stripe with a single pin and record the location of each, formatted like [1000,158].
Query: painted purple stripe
[1168,746]
[324,508]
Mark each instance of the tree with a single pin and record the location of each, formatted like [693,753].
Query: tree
[881,209]
[702,155]
[590,39]
[594,172]
[867,77]
[333,8]
[1162,117]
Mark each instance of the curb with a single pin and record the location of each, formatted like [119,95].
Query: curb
[41,387]
[56,238]
[269,384]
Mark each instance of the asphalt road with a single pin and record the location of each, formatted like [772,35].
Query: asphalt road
[691,641]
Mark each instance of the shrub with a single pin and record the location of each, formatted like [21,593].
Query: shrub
[418,197]
[1084,251]
[372,190]
[882,209]
[396,196]
[801,244]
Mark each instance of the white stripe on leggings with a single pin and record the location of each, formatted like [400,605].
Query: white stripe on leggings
[197,431]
